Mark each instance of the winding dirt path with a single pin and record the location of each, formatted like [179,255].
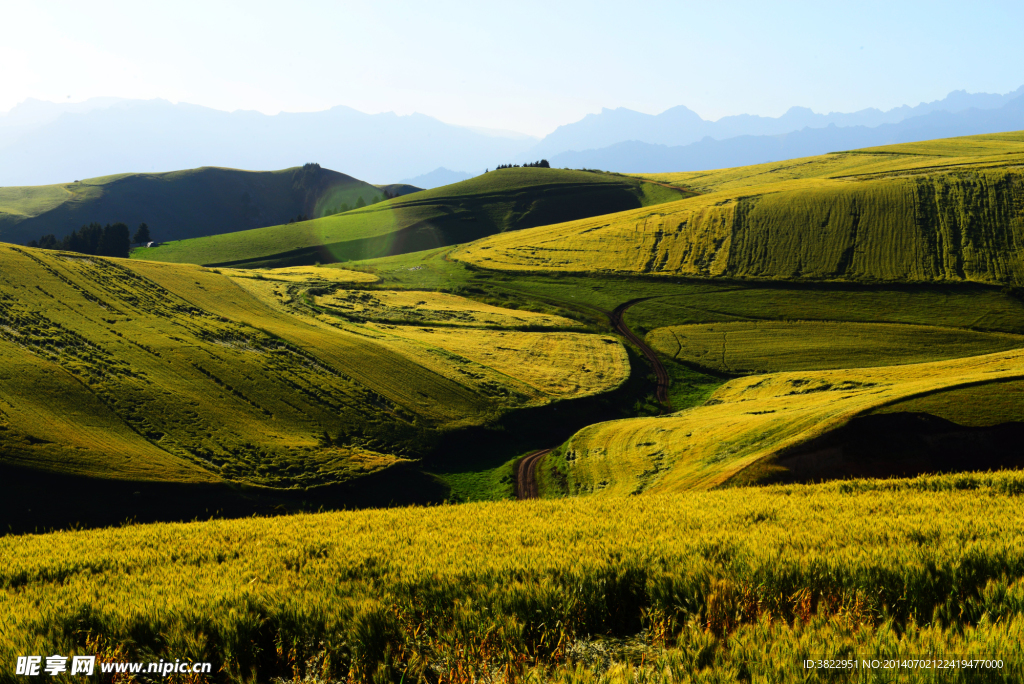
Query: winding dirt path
[526,467]
[526,475]
[618,322]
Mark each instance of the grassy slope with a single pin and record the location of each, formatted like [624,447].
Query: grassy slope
[753,420]
[145,371]
[743,581]
[488,204]
[948,210]
[178,204]
[978,406]
[766,346]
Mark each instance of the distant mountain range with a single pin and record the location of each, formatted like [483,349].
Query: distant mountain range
[155,135]
[681,126]
[641,157]
[437,178]
[46,143]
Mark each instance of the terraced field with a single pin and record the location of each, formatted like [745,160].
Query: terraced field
[144,371]
[491,203]
[947,211]
[765,346]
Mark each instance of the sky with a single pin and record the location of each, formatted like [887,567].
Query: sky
[523,66]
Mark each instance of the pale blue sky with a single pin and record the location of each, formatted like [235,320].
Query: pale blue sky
[525,66]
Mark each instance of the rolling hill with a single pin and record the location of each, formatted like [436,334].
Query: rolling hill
[947,210]
[491,203]
[765,426]
[141,372]
[179,204]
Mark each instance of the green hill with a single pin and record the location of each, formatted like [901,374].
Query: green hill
[492,203]
[399,189]
[948,210]
[179,204]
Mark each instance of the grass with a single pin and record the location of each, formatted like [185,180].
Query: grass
[143,371]
[977,406]
[963,306]
[680,301]
[766,346]
[873,216]
[702,586]
[491,203]
[749,423]
[178,204]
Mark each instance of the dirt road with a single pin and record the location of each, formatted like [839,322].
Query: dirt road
[526,468]
[618,322]
[526,475]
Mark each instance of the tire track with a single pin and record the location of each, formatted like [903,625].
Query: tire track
[617,319]
[526,475]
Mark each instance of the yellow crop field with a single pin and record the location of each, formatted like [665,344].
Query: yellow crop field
[139,370]
[692,587]
[753,419]
[420,307]
[766,346]
[875,215]
[986,151]
[301,274]
[557,364]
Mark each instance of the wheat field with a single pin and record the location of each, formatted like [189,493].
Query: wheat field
[755,418]
[692,587]
[873,216]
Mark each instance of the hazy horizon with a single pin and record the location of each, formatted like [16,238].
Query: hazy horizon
[527,69]
[508,133]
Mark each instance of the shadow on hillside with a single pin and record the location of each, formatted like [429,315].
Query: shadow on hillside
[43,501]
[543,427]
[899,445]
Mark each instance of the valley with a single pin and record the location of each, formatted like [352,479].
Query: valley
[482,431]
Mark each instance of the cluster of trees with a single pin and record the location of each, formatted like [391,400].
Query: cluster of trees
[542,164]
[113,240]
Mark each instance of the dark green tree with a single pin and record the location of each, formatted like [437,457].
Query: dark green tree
[142,235]
[85,240]
[360,203]
[115,241]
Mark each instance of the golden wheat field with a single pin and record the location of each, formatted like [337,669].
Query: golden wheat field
[874,215]
[698,587]
[752,419]
[425,307]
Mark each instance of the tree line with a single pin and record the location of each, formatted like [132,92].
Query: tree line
[542,164]
[112,240]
